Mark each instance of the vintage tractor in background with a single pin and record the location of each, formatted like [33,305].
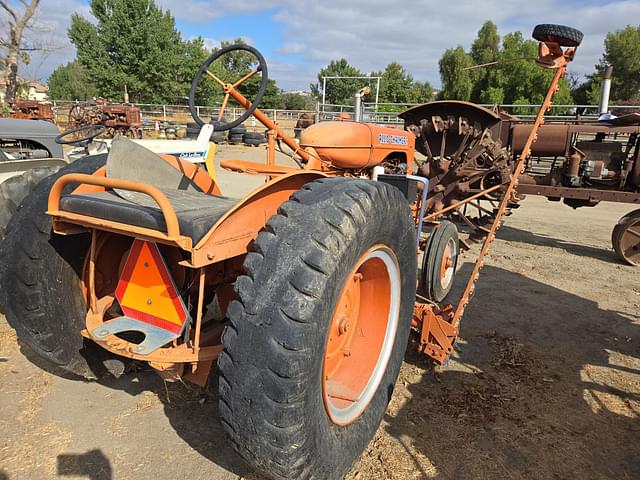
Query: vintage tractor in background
[470,149]
[32,110]
[303,292]
[118,118]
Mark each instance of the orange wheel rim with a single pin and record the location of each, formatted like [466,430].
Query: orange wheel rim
[361,335]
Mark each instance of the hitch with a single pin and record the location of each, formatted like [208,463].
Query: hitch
[438,333]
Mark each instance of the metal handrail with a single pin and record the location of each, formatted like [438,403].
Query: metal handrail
[169,214]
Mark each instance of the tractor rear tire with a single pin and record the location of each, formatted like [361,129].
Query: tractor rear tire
[563,36]
[40,283]
[15,189]
[273,402]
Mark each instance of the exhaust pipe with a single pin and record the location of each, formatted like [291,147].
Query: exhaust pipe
[605,89]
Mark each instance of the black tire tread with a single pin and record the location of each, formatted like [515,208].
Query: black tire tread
[32,280]
[561,34]
[276,442]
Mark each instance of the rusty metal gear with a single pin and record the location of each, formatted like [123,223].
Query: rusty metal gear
[464,156]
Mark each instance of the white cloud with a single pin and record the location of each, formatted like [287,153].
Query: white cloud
[291,48]
[370,33]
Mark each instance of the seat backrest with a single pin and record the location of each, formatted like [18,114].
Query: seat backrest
[128,160]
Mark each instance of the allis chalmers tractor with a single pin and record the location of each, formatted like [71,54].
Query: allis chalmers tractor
[117,118]
[303,292]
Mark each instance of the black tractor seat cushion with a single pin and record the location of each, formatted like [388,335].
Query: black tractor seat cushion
[197,212]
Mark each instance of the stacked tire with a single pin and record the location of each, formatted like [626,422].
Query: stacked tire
[254,138]
[236,134]
[217,136]
[193,130]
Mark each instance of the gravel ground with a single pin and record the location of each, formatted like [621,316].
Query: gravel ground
[545,382]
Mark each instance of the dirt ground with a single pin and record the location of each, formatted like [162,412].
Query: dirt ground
[545,382]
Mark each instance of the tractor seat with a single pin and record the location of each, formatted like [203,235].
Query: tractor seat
[196,210]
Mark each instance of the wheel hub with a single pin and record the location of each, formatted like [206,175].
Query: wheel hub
[361,335]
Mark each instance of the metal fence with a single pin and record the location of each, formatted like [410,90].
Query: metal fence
[384,113]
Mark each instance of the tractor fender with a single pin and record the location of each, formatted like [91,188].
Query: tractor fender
[233,233]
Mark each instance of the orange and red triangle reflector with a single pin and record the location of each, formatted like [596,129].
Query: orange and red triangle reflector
[147,292]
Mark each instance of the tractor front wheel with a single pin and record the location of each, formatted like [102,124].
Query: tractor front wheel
[439,262]
[317,338]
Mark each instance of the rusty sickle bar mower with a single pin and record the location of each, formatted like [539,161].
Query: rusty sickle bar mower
[303,291]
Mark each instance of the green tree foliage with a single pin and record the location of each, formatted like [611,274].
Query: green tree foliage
[457,83]
[297,101]
[421,92]
[484,49]
[516,79]
[398,86]
[69,82]
[621,49]
[339,91]
[395,84]
[134,43]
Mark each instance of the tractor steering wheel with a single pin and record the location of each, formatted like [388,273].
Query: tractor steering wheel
[92,131]
[204,69]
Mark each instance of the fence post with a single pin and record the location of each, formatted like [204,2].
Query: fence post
[164,112]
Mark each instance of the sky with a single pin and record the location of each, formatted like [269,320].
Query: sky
[299,37]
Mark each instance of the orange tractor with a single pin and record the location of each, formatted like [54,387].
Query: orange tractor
[303,292]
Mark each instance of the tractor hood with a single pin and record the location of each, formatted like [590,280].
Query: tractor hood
[354,145]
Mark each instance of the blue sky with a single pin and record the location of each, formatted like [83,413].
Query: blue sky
[298,37]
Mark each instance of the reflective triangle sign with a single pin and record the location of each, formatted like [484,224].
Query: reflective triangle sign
[146,291]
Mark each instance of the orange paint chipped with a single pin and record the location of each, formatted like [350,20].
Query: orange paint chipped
[146,291]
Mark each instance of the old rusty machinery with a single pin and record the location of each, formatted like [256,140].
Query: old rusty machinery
[626,237]
[470,151]
[32,110]
[116,118]
[465,157]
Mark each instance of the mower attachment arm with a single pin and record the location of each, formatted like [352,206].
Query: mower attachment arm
[170,218]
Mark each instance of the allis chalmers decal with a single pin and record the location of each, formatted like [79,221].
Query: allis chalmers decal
[393,139]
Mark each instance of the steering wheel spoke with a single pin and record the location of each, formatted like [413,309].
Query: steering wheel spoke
[245,78]
[80,135]
[212,75]
[223,106]
[257,66]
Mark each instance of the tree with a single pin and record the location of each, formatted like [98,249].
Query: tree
[484,49]
[395,84]
[521,81]
[297,101]
[134,44]
[18,21]
[339,91]
[69,82]
[456,81]
[421,92]
[621,50]
[515,79]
